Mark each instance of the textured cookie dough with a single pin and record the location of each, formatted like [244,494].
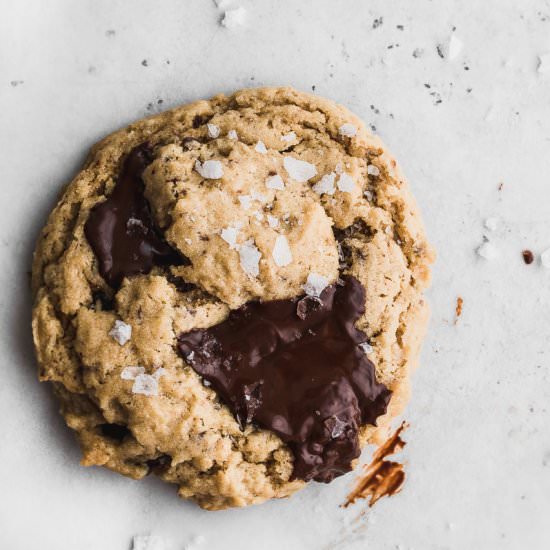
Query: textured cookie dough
[259,190]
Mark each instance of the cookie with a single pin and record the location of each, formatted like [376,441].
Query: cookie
[229,296]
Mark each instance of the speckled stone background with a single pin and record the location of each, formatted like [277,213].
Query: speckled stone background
[478,458]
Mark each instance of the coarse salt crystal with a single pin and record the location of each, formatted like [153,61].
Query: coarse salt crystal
[209,169]
[325,184]
[366,347]
[121,332]
[491,224]
[339,427]
[145,384]
[373,170]
[130,373]
[229,235]
[347,130]
[258,215]
[291,136]
[300,170]
[246,201]
[258,196]
[148,542]
[191,356]
[261,148]
[213,130]
[272,221]
[232,134]
[281,251]
[315,284]
[234,18]
[346,183]
[368,195]
[454,47]
[545,259]
[275,182]
[488,251]
[250,258]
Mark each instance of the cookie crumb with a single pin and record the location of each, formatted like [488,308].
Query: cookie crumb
[148,542]
[250,258]
[213,130]
[347,130]
[315,284]
[528,256]
[260,148]
[15,83]
[418,52]
[299,170]
[346,183]
[145,63]
[275,182]
[458,308]
[488,251]
[291,136]
[234,18]
[209,169]
[325,185]
[282,256]
[121,332]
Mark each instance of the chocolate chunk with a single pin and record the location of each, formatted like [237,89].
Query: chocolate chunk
[528,257]
[114,431]
[121,230]
[303,376]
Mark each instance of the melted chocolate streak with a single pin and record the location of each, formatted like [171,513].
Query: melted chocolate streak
[290,366]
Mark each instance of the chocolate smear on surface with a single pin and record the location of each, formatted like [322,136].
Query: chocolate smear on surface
[382,477]
[121,229]
[296,368]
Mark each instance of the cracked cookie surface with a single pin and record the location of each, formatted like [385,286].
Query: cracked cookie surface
[258,192]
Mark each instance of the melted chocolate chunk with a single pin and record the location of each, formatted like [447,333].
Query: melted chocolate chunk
[296,370]
[121,230]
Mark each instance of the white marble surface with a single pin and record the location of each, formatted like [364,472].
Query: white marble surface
[478,458]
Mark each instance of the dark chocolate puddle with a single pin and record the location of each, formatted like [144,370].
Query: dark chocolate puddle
[295,367]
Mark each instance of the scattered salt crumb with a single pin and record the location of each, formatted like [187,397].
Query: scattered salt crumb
[232,134]
[260,148]
[373,170]
[130,373]
[275,182]
[146,384]
[488,251]
[366,347]
[148,542]
[234,18]
[250,258]
[213,130]
[544,63]
[209,169]
[121,332]
[545,259]
[454,48]
[291,136]
[272,221]
[281,251]
[206,383]
[325,184]
[346,183]
[299,170]
[347,130]
[158,373]
[491,224]
[229,235]
[246,201]
[315,284]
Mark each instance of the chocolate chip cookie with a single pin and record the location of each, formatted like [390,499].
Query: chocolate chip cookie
[229,296]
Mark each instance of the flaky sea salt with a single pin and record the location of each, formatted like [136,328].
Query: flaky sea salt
[213,130]
[325,184]
[121,332]
[315,284]
[488,251]
[291,136]
[130,373]
[246,201]
[145,384]
[148,542]
[234,18]
[346,183]
[275,182]
[454,48]
[545,259]
[209,169]
[281,251]
[272,221]
[366,347]
[260,148]
[338,428]
[250,258]
[188,241]
[347,130]
[232,134]
[229,235]
[299,170]
[373,170]
[491,224]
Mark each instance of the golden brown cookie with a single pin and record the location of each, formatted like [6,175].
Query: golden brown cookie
[229,295]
